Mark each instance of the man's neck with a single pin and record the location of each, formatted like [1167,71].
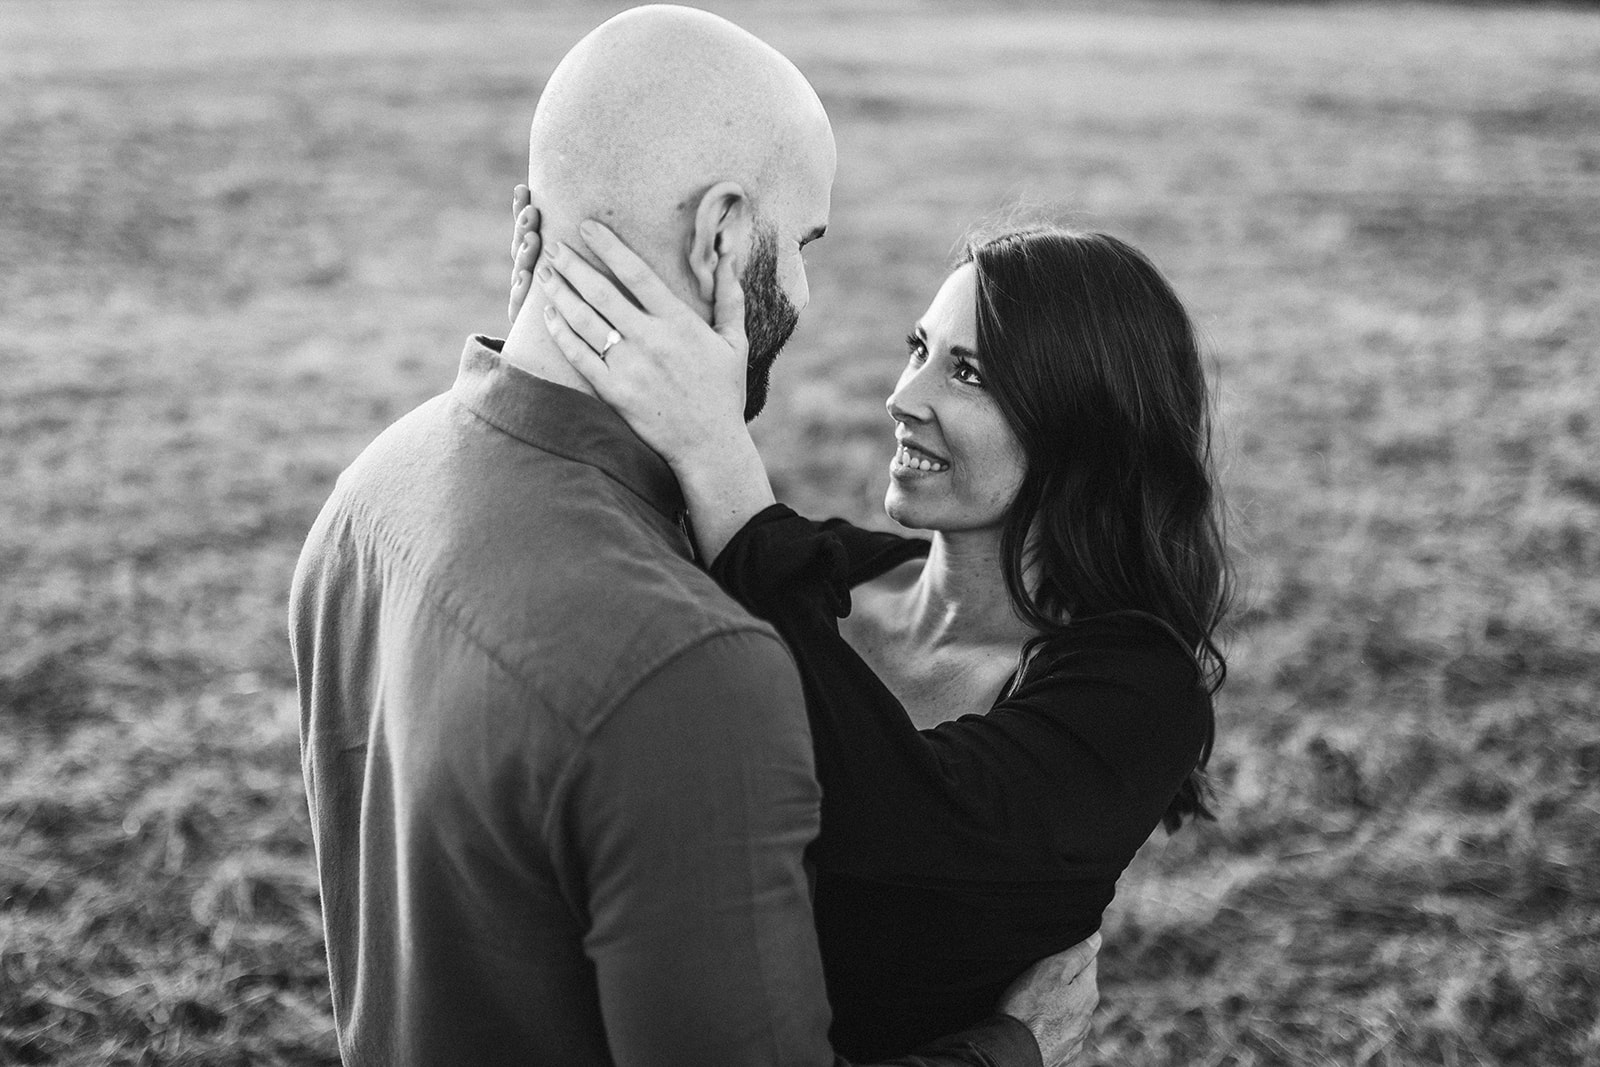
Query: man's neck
[530,347]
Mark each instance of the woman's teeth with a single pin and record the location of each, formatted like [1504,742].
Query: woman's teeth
[907,457]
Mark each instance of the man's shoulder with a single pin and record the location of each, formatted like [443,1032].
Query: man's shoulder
[554,573]
[618,626]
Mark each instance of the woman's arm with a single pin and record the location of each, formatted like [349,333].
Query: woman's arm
[677,380]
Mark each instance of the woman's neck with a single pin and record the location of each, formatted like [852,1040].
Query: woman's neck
[960,598]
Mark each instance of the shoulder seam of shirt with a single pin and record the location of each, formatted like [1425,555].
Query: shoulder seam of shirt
[442,602]
[564,776]
[753,628]
[462,621]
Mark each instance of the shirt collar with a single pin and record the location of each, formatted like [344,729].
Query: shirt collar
[562,421]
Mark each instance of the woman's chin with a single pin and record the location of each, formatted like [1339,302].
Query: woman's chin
[901,510]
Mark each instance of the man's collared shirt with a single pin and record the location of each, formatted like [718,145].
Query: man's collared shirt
[560,783]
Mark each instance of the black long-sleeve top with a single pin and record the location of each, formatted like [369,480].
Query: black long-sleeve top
[952,858]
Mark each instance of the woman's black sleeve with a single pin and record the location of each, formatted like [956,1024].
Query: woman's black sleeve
[782,564]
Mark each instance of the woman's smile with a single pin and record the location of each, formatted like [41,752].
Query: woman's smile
[910,461]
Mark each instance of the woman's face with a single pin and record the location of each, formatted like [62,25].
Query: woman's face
[958,466]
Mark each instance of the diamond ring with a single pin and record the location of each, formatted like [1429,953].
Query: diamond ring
[611,338]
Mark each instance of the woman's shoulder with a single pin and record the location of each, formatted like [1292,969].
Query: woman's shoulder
[1130,655]
[1130,693]
[1131,637]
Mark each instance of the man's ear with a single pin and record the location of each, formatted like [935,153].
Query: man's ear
[723,221]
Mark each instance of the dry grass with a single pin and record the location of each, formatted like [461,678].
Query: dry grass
[238,238]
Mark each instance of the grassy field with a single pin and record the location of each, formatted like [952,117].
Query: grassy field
[238,238]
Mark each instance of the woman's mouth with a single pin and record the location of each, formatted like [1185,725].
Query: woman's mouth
[909,459]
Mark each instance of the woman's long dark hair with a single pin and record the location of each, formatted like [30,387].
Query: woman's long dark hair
[1092,360]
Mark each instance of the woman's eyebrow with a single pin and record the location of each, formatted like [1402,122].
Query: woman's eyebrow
[959,351]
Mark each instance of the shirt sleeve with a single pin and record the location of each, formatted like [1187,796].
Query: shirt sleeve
[781,564]
[692,810]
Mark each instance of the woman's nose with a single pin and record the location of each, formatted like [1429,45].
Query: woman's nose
[894,408]
[906,403]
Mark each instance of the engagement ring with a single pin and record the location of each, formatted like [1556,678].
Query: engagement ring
[611,338]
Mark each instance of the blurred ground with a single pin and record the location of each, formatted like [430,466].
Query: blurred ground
[238,238]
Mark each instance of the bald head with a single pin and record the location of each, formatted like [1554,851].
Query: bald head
[681,130]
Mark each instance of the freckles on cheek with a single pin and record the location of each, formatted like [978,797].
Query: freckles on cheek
[1001,493]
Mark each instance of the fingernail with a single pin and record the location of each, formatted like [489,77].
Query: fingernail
[523,278]
[589,228]
[544,272]
[549,313]
[525,216]
[559,251]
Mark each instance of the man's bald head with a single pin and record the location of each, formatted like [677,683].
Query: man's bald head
[680,130]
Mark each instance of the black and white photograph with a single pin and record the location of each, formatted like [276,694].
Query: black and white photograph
[936,533]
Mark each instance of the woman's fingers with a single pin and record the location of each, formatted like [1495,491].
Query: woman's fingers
[583,358]
[578,313]
[521,207]
[727,305]
[519,294]
[524,250]
[528,250]
[601,292]
[522,264]
[645,285]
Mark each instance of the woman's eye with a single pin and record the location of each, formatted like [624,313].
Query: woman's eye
[966,372]
[915,348]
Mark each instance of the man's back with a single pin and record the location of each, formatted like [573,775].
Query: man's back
[560,784]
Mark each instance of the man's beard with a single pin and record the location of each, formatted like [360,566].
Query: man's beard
[769,319]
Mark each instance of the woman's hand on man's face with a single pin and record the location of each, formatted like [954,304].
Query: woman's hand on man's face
[677,380]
